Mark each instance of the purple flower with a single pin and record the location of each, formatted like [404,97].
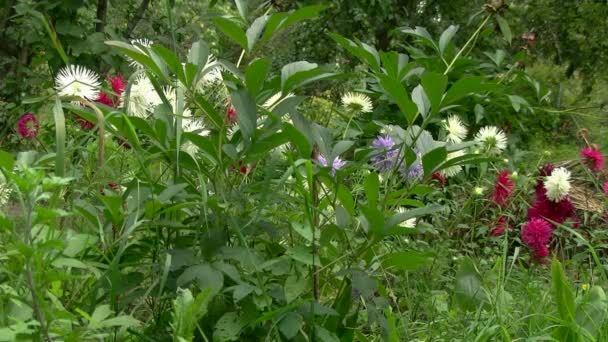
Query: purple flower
[385,161]
[336,163]
[413,172]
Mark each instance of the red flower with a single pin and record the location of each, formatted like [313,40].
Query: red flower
[559,212]
[438,177]
[231,115]
[28,126]
[546,170]
[605,188]
[84,123]
[593,158]
[105,99]
[500,227]
[537,234]
[113,186]
[503,189]
[118,84]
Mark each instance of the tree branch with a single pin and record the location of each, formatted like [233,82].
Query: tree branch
[102,14]
[139,14]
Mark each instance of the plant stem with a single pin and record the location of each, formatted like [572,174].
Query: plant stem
[483,23]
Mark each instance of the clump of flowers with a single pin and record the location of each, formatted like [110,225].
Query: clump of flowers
[536,233]
[492,139]
[503,189]
[28,126]
[335,165]
[138,44]
[142,97]
[113,99]
[75,80]
[357,103]
[593,158]
[387,158]
[456,130]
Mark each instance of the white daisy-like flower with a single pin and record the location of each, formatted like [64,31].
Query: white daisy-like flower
[136,44]
[142,97]
[558,184]
[5,191]
[492,139]
[454,169]
[457,131]
[275,99]
[76,80]
[357,102]
[409,223]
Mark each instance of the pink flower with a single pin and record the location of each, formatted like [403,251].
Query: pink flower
[500,227]
[28,126]
[536,233]
[593,158]
[605,188]
[231,115]
[118,84]
[503,189]
[105,99]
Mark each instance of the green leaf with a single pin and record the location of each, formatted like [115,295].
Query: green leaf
[290,324]
[303,255]
[591,314]
[397,92]
[358,51]
[171,61]
[255,30]
[504,28]
[324,335]
[232,30]
[279,21]
[372,189]
[6,161]
[299,140]
[375,221]
[346,198]
[465,86]
[245,106]
[241,5]
[294,287]
[434,85]
[228,327]
[256,74]
[446,37]
[141,58]
[411,213]
[299,73]
[421,100]
[468,290]
[423,35]
[59,138]
[205,277]
[432,159]
[406,261]
[562,293]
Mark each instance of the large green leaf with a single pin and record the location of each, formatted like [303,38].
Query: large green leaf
[563,295]
[358,51]
[290,325]
[446,37]
[372,189]
[468,289]
[279,21]
[504,28]
[406,261]
[246,110]
[228,327]
[397,92]
[431,160]
[434,85]
[232,30]
[465,86]
[255,30]
[255,75]
[591,314]
[299,73]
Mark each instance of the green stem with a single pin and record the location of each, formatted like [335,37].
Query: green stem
[483,23]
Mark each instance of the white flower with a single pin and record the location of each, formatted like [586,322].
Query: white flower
[275,99]
[142,97]
[454,169]
[409,223]
[493,139]
[191,124]
[357,102]
[136,44]
[171,96]
[457,131]
[558,184]
[479,190]
[76,80]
